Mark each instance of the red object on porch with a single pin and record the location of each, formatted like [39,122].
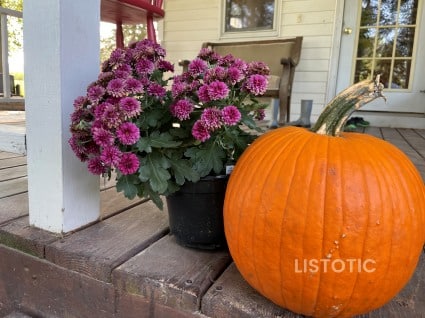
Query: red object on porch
[131,12]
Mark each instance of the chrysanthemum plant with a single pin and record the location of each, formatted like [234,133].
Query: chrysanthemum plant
[156,139]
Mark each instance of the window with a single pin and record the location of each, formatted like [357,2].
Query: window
[249,16]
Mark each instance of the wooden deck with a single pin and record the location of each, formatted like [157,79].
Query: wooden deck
[127,264]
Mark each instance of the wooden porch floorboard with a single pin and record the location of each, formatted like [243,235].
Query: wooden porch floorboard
[127,265]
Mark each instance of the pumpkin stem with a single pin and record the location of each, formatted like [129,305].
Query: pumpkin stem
[334,116]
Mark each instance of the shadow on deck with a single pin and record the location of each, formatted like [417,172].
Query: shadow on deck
[127,264]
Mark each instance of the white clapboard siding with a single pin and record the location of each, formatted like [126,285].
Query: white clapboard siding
[187,24]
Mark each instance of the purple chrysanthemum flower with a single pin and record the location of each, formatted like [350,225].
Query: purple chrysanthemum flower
[122,74]
[95,93]
[111,156]
[133,86]
[145,67]
[117,57]
[96,166]
[239,64]
[77,148]
[218,90]
[99,110]
[205,53]
[231,115]
[257,84]
[102,137]
[235,75]
[178,88]
[105,77]
[197,66]
[165,66]
[260,114]
[211,118]
[111,117]
[156,90]
[79,102]
[130,107]
[116,87]
[200,132]
[128,133]
[181,109]
[129,163]
[203,94]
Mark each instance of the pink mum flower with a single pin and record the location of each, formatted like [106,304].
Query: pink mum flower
[130,107]
[96,166]
[128,133]
[260,114]
[145,67]
[95,94]
[197,66]
[211,118]
[165,66]
[116,87]
[235,75]
[102,137]
[133,86]
[218,90]
[257,84]
[111,156]
[177,88]
[129,163]
[111,117]
[79,102]
[231,115]
[156,90]
[200,132]
[181,109]
[203,95]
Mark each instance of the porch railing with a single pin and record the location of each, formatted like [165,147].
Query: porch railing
[6,97]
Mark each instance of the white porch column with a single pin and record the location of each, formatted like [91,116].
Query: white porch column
[61,43]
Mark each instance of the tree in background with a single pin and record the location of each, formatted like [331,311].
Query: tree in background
[15,25]
[132,33]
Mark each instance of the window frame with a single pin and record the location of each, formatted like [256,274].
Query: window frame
[274,32]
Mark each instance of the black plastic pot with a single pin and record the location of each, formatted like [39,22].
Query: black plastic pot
[196,213]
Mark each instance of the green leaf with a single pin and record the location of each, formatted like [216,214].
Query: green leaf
[128,185]
[207,159]
[183,170]
[155,197]
[153,117]
[164,140]
[155,171]
[144,145]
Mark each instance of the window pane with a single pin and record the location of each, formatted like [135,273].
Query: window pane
[384,47]
[363,70]
[408,11]
[405,40]
[401,74]
[383,67]
[369,12]
[249,15]
[388,12]
[366,42]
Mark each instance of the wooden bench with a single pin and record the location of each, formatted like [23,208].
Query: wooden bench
[281,55]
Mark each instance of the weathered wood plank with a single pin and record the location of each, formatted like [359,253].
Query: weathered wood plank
[420,132]
[98,249]
[13,207]
[415,140]
[231,296]
[13,162]
[14,186]
[394,137]
[13,173]
[170,274]
[46,290]
[374,131]
[19,235]
[16,314]
[113,202]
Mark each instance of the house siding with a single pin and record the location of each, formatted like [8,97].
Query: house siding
[187,24]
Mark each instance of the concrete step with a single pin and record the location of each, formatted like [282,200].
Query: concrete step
[13,139]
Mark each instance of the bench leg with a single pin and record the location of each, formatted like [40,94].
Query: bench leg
[275,105]
[304,120]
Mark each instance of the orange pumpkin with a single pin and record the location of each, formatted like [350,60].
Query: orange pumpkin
[325,223]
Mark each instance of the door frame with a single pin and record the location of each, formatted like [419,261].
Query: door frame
[336,47]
